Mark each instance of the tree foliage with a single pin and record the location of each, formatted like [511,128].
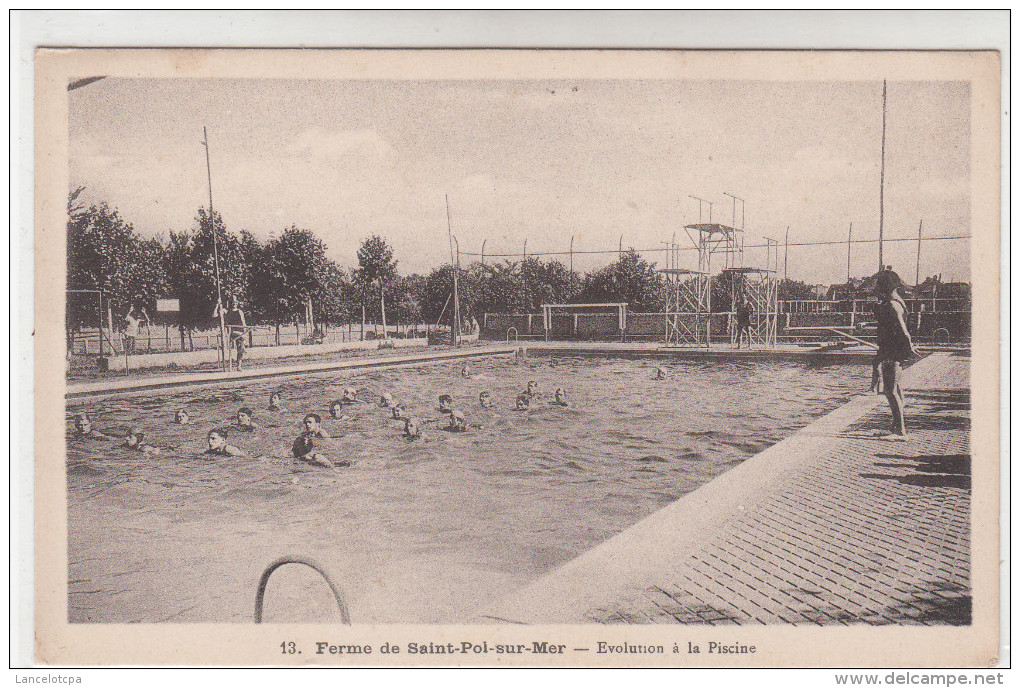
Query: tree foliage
[273,281]
[630,279]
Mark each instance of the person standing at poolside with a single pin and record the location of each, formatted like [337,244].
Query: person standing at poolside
[894,345]
[132,320]
[237,326]
[743,317]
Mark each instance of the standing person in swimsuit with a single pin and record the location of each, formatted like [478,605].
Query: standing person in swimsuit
[131,323]
[894,346]
[237,326]
[743,314]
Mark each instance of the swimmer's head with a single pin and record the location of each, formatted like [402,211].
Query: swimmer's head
[411,428]
[216,438]
[134,437]
[398,411]
[523,402]
[181,417]
[561,396]
[532,386]
[458,422]
[244,416]
[82,424]
[445,403]
[336,408]
[465,371]
[386,400]
[660,374]
[485,399]
[311,422]
[350,394]
[274,400]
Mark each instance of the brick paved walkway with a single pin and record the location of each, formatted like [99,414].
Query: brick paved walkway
[842,528]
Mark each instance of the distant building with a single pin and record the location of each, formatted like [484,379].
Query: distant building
[848,291]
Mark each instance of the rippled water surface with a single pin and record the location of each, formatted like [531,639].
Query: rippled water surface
[424,530]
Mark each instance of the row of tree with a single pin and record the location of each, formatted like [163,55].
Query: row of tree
[274,282]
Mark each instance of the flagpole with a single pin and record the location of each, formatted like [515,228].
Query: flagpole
[226,363]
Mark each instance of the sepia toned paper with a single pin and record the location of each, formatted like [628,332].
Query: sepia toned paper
[474,642]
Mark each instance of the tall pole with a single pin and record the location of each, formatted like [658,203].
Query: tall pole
[216,258]
[917,268]
[483,251]
[571,255]
[881,190]
[455,330]
[620,253]
[524,280]
[786,253]
[849,235]
[735,199]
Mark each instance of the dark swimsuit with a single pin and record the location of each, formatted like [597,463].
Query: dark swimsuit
[893,343]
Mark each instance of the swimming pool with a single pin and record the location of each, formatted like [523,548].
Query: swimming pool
[422,531]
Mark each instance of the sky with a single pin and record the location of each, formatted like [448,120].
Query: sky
[539,161]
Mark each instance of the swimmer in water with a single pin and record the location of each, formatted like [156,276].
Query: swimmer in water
[561,398]
[660,374]
[182,417]
[218,446]
[398,412]
[244,420]
[275,400]
[135,441]
[532,390]
[336,409]
[523,402]
[304,447]
[445,403]
[458,423]
[412,429]
[83,428]
[386,400]
[350,396]
[485,400]
[465,372]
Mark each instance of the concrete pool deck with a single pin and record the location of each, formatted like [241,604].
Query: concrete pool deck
[126,385]
[831,526]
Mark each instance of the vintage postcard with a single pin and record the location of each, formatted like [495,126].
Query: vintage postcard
[517,358]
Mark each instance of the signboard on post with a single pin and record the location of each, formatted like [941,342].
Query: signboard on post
[168,305]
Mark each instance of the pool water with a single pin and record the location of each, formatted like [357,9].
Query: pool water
[426,530]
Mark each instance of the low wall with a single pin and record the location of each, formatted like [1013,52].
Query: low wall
[191,358]
[652,326]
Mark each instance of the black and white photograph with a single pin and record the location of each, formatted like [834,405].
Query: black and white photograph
[597,358]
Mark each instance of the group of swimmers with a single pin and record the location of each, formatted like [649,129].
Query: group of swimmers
[308,445]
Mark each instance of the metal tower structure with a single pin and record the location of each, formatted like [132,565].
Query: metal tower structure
[689,290]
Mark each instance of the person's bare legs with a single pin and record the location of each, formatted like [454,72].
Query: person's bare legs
[891,374]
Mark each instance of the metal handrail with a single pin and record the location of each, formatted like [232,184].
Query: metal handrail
[508,334]
[345,616]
